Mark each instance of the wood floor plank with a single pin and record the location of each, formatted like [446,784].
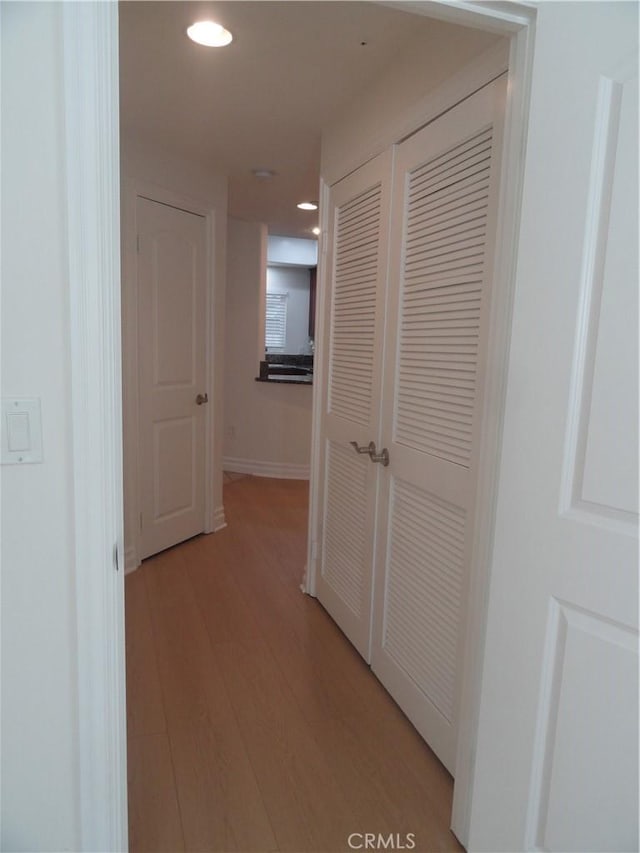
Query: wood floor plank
[221,805]
[145,711]
[154,816]
[306,807]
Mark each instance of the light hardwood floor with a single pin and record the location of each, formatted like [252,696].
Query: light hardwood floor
[253,725]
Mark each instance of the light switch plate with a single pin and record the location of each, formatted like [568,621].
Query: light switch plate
[21,430]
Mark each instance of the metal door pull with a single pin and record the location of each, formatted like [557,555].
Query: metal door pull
[374,456]
[382,457]
[202,398]
[370,448]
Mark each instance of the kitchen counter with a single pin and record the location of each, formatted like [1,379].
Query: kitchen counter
[283,367]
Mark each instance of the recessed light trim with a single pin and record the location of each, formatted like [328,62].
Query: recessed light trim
[308,205]
[209,34]
[264,173]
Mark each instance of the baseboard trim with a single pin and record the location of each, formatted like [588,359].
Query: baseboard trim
[131,562]
[277,470]
[219,520]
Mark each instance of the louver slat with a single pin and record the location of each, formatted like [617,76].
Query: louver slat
[354,307]
[424,591]
[450,161]
[441,300]
[344,562]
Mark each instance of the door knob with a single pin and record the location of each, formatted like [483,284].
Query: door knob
[202,398]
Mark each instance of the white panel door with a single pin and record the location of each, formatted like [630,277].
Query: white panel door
[557,753]
[357,261]
[444,208]
[171,358]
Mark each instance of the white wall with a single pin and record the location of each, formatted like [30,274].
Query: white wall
[142,162]
[145,161]
[267,426]
[362,129]
[292,250]
[39,748]
[294,281]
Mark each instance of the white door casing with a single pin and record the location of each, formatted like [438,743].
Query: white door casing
[357,259]
[90,110]
[557,757]
[445,192]
[172,373]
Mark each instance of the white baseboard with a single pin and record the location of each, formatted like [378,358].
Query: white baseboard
[219,520]
[278,470]
[131,562]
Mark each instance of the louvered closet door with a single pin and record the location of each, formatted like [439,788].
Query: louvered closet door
[444,201]
[357,260]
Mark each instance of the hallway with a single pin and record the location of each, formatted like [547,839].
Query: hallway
[253,725]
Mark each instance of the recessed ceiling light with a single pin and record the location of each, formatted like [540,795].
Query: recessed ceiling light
[209,34]
[315,231]
[308,205]
[264,173]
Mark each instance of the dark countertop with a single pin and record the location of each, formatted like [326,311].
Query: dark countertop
[292,359]
[287,380]
[286,368]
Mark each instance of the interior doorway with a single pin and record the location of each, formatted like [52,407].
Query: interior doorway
[109,31]
[89,106]
[447,100]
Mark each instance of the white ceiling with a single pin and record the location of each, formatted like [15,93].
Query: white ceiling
[262,101]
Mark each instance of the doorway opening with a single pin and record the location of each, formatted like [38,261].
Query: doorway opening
[166,159]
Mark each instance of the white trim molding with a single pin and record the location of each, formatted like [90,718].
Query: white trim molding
[309,582]
[90,33]
[277,470]
[491,16]
[219,519]
[131,562]
[507,231]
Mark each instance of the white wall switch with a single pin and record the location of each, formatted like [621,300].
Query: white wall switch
[21,431]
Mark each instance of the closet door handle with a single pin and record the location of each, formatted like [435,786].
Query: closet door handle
[374,456]
[370,448]
[202,398]
[382,457]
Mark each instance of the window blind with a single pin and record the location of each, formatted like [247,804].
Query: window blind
[276,322]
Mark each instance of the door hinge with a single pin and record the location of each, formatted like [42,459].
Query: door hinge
[140,521]
[116,559]
[138,243]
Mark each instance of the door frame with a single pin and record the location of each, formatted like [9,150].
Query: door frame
[91,149]
[518,25]
[132,189]
[91,143]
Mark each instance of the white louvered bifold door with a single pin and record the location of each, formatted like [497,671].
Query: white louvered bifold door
[357,261]
[444,201]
